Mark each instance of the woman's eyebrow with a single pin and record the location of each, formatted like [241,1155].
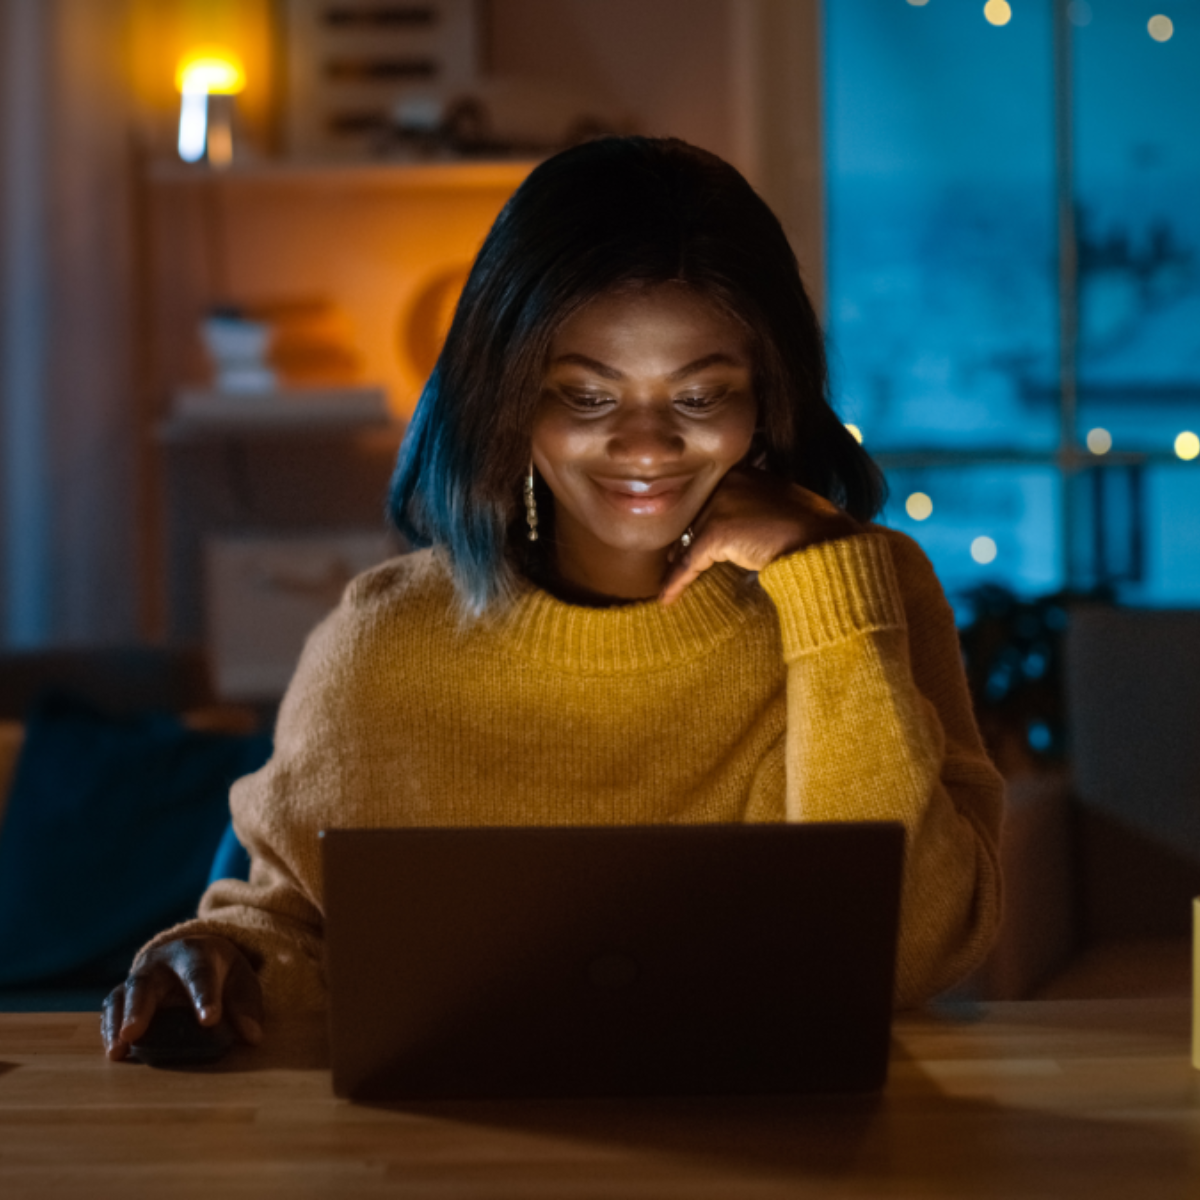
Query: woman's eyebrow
[592,364]
[719,359]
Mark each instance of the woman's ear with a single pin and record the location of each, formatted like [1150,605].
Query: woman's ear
[756,456]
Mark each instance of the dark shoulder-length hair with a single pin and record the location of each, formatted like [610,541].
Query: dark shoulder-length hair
[612,213]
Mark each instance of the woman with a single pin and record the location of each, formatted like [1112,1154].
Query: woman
[650,594]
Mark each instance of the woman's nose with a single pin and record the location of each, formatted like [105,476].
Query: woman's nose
[645,439]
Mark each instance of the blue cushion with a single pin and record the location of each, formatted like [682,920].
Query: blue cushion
[231,860]
[109,837]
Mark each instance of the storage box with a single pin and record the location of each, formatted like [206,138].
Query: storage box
[263,595]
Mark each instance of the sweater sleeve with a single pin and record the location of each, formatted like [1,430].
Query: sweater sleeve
[880,727]
[276,918]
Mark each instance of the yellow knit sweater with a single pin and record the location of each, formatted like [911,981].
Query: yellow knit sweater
[829,689]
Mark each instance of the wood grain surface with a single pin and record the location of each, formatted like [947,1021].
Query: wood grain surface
[1091,1099]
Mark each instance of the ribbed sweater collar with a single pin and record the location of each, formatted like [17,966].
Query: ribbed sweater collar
[632,637]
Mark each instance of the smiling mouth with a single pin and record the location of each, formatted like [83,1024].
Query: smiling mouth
[643,497]
[644,487]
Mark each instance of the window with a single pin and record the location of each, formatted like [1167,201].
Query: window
[1034,406]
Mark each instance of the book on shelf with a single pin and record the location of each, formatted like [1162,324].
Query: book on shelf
[351,404]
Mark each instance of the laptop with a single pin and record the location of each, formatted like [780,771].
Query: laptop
[632,961]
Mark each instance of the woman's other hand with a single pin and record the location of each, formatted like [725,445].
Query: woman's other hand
[750,521]
[209,973]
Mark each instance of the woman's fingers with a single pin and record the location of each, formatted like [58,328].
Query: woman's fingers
[112,1016]
[690,566]
[750,521]
[249,1030]
[144,990]
[201,966]
[219,979]
[210,973]
[750,547]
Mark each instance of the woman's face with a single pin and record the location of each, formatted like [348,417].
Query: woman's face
[647,401]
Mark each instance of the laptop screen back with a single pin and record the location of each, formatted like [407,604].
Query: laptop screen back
[711,959]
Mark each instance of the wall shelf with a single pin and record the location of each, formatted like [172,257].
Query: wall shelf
[406,176]
[386,244]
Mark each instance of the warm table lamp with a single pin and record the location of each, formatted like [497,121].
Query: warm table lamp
[204,128]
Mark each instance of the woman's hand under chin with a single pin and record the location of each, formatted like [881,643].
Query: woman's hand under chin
[750,521]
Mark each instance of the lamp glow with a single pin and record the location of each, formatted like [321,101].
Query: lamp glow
[983,550]
[210,69]
[203,72]
[1187,445]
[855,433]
[1161,28]
[997,12]
[918,506]
[1099,441]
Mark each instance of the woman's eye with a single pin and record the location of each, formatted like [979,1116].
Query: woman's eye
[587,401]
[697,403]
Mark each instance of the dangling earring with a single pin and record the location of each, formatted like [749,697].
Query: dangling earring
[687,537]
[530,505]
[758,450]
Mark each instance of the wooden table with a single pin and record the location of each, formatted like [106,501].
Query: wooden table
[1091,1099]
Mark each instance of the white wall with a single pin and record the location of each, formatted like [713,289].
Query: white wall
[738,77]
[665,62]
